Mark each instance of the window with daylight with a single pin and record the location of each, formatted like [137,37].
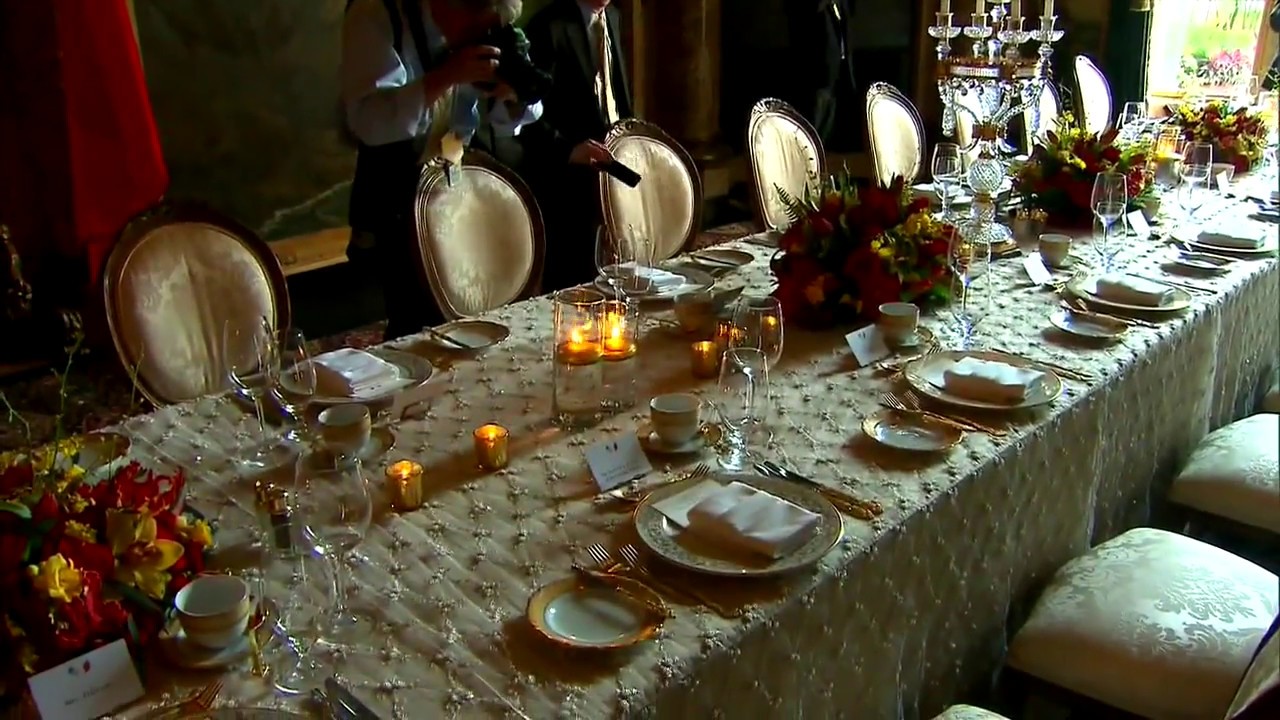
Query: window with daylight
[1208,47]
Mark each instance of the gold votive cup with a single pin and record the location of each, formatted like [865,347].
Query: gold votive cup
[491,447]
[404,478]
[704,359]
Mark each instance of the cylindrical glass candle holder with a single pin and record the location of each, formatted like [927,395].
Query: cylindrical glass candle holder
[620,332]
[491,446]
[404,481]
[577,376]
[704,359]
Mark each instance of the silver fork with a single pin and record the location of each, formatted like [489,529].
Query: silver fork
[891,400]
[635,495]
[631,557]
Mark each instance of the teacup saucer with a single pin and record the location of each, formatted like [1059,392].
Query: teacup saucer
[707,437]
[921,337]
[1066,264]
[381,440]
[198,657]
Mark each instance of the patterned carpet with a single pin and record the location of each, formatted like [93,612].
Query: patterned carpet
[98,391]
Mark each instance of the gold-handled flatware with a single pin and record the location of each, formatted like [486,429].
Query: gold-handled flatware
[194,704]
[908,401]
[1078,305]
[844,502]
[631,558]
[890,400]
[612,582]
[610,566]
[1061,370]
[636,494]
[913,401]
[1189,287]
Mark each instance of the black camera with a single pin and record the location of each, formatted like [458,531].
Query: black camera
[514,67]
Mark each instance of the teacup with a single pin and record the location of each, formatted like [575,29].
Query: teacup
[214,610]
[696,311]
[346,429]
[898,321]
[1054,249]
[675,417]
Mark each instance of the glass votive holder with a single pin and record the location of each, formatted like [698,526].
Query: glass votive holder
[704,359]
[621,328]
[491,446]
[404,479]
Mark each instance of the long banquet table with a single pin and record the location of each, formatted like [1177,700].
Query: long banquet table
[907,614]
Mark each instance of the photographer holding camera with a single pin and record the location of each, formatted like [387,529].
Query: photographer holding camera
[421,79]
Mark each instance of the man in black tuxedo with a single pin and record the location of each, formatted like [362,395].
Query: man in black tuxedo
[579,43]
[822,76]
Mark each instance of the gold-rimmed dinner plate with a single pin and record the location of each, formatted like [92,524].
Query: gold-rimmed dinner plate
[1092,327]
[595,615]
[477,335]
[417,370]
[694,280]
[1268,247]
[911,432]
[719,258]
[1087,289]
[926,376]
[668,541]
[1201,263]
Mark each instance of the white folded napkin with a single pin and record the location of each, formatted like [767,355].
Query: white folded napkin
[1275,197]
[741,517]
[1130,290]
[356,374]
[1230,242]
[660,281]
[990,381]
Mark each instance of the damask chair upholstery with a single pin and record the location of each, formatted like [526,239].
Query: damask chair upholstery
[1259,693]
[1093,96]
[895,134]
[1150,622]
[178,274]
[1271,399]
[969,712]
[480,240]
[1049,108]
[1235,474]
[784,152]
[666,207]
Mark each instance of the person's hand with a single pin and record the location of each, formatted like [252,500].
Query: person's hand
[469,65]
[503,92]
[590,152]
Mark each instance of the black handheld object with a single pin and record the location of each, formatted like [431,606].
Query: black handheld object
[514,66]
[621,172]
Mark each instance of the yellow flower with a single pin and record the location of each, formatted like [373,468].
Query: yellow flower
[196,531]
[29,658]
[142,559]
[814,292]
[57,578]
[81,531]
[912,224]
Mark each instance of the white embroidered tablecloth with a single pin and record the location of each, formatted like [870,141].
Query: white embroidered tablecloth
[908,614]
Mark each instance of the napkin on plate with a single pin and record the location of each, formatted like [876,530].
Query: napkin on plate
[1229,242]
[990,381]
[356,374]
[741,517]
[1130,290]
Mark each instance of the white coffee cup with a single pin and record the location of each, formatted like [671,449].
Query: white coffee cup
[214,610]
[898,321]
[1054,249]
[675,417]
[345,429]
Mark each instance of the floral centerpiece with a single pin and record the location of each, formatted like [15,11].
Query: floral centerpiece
[1238,136]
[1058,176]
[93,547]
[850,249]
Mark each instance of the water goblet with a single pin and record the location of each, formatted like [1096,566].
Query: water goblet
[1109,199]
[740,399]
[248,351]
[298,596]
[947,169]
[333,506]
[293,380]
[970,285]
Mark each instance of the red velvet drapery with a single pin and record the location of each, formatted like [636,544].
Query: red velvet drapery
[79,147]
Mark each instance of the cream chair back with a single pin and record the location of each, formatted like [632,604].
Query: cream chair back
[177,276]
[1093,95]
[480,240]
[666,207]
[1048,107]
[785,154]
[896,134]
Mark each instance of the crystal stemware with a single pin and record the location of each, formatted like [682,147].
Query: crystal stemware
[947,169]
[757,323]
[248,352]
[1109,199]
[298,600]
[293,380]
[624,261]
[970,285]
[741,399]
[332,504]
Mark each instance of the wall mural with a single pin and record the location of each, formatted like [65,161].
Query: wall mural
[245,94]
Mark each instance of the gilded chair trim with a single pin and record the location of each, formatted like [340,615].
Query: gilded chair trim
[764,110]
[883,92]
[635,128]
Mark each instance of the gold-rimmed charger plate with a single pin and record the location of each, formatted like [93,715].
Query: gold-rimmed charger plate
[721,258]
[694,280]
[589,615]
[417,370]
[1090,327]
[477,335]
[1268,246]
[925,377]
[666,540]
[911,432]
[1087,288]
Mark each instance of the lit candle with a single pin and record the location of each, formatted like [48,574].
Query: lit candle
[578,350]
[617,337]
[705,359]
[1048,8]
[1015,9]
[980,8]
[405,480]
[491,447]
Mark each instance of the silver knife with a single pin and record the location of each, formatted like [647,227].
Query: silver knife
[349,702]
[336,710]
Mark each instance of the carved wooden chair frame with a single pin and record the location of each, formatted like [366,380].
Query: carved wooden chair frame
[433,174]
[884,92]
[634,127]
[760,112]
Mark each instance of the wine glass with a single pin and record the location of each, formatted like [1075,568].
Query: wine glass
[1197,163]
[624,261]
[757,323]
[1130,118]
[741,399]
[333,505]
[1109,200]
[293,379]
[248,351]
[970,286]
[947,168]
[298,594]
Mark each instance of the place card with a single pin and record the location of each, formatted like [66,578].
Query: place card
[1224,183]
[90,686]
[1139,223]
[1036,270]
[617,460]
[868,345]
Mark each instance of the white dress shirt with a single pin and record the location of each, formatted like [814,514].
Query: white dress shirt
[382,92]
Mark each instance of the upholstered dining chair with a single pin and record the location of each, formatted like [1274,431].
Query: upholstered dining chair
[1093,95]
[1234,475]
[666,207]
[969,712]
[784,153]
[1049,108]
[895,133]
[480,236]
[177,275]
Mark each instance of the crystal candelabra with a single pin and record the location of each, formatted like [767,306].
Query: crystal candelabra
[1001,83]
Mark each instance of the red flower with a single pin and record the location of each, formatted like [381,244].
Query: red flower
[831,207]
[92,557]
[820,227]
[16,477]
[46,509]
